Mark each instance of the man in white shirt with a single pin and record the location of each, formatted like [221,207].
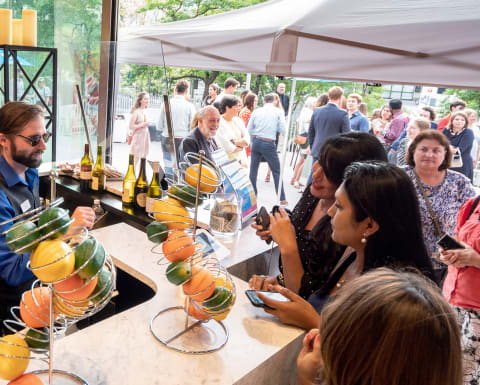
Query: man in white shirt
[182,113]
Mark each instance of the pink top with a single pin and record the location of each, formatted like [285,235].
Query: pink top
[462,285]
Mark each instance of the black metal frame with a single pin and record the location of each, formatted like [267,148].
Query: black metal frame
[11,51]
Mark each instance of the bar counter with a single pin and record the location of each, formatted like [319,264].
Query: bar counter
[121,349]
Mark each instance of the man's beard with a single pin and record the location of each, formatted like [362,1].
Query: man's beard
[26,159]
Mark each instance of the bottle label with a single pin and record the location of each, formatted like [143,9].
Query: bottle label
[86,174]
[142,199]
[126,198]
[149,205]
[95,183]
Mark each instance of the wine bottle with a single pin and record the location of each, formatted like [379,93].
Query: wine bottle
[141,187]
[85,170]
[154,190]
[98,172]
[129,183]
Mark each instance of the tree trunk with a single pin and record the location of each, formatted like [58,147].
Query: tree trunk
[258,82]
[209,79]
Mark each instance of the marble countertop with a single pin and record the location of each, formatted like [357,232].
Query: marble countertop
[121,349]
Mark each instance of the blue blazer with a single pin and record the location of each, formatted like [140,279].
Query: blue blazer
[326,121]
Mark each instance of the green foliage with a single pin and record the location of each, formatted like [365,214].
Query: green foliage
[471,97]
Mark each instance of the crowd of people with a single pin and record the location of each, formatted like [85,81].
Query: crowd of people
[359,257]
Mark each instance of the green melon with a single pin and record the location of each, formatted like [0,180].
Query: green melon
[219,300]
[57,219]
[104,284]
[22,240]
[157,232]
[185,195]
[38,339]
[179,272]
[83,253]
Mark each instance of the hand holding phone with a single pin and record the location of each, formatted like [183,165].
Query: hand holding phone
[263,218]
[256,301]
[449,243]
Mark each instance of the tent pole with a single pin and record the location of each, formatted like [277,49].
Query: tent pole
[249,80]
[286,137]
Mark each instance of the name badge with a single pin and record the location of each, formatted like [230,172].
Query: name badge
[25,206]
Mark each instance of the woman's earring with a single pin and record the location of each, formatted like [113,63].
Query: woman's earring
[364,238]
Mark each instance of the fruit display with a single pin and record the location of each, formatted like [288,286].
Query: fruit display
[76,278]
[179,272]
[209,180]
[185,194]
[179,246]
[157,232]
[172,213]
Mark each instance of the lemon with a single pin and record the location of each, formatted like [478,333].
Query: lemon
[52,261]
[208,179]
[171,212]
[12,367]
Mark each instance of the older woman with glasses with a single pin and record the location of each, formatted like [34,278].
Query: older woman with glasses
[440,191]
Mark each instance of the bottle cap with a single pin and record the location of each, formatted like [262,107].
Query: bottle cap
[96,201]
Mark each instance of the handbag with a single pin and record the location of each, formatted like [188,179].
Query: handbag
[300,139]
[457,159]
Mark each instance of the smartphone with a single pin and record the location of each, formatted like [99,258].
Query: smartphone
[263,218]
[256,301]
[449,243]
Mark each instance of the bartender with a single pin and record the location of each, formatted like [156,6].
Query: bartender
[23,139]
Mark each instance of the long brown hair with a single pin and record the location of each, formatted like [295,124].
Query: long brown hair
[138,102]
[390,328]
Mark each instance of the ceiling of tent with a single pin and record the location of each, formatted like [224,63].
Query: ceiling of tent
[429,42]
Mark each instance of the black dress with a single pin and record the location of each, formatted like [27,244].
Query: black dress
[319,254]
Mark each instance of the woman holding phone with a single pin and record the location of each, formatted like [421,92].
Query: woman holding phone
[362,221]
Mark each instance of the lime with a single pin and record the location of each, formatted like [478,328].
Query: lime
[57,219]
[185,195]
[179,272]
[83,253]
[157,232]
[104,284]
[219,300]
[16,235]
[38,339]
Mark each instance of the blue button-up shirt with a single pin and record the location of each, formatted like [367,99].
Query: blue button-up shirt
[13,267]
[358,122]
[266,121]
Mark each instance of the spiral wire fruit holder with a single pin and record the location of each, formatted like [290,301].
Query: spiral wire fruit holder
[205,306]
[49,316]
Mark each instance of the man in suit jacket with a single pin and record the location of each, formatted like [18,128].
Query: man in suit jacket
[202,137]
[327,121]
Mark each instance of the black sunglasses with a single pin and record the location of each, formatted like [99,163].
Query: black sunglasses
[35,139]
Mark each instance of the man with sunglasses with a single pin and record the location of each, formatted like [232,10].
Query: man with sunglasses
[23,138]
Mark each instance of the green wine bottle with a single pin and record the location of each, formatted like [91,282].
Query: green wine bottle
[98,173]
[86,170]
[141,187]
[154,190]
[129,181]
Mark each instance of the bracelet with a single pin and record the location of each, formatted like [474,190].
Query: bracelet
[281,280]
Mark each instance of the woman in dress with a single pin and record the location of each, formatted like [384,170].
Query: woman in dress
[380,126]
[138,128]
[461,139]
[362,220]
[414,127]
[472,124]
[372,322]
[440,191]
[250,104]
[307,251]
[303,122]
[212,95]
[232,135]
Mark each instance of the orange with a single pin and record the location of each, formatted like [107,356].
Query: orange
[75,310]
[27,379]
[13,367]
[36,315]
[52,261]
[194,310]
[208,179]
[201,285]
[178,246]
[75,283]
[172,213]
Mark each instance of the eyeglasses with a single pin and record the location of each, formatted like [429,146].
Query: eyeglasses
[35,139]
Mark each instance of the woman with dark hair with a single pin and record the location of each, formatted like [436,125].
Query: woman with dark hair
[212,95]
[362,220]
[249,105]
[380,126]
[428,112]
[322,100]
[232,135]
[372,322]
[440,191]
[461,139]
[308,253]
[139,135]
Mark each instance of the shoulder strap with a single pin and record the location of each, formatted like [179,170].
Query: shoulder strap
[430,209]
[472,208]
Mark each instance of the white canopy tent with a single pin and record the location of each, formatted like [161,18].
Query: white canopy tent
[429,42]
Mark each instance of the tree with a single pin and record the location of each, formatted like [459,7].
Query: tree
[471,97]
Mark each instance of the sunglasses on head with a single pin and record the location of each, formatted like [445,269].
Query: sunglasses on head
[35,139]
